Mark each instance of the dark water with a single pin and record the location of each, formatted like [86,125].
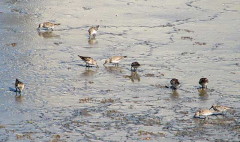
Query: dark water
[64,101]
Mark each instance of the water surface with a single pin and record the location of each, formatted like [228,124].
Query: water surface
[64,101]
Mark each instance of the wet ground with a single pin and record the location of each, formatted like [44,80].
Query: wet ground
[64,101]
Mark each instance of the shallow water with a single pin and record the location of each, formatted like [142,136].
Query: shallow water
[64,101]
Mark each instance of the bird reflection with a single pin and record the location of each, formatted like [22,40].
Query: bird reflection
[203,94]
[89,72]
[92,41]
[134,76]
[19,99]
[174,94]
[47,34]
[113,69]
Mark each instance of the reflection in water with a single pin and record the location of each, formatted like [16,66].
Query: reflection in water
[19,99]
[92,41]
[85,84]
[113,69]
[47,34]
[174,95]
[203,94]
[89,72]
[134,76]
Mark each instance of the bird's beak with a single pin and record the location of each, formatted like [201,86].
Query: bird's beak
[210,107]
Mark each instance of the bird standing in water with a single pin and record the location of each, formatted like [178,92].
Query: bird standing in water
[89,61]
[203,82]
[47,26]
[219,108]
[134,66]
[204,113]
[114,59]
[19,86]
[175,83]
[93,31]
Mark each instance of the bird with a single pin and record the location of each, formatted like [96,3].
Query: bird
[203,113]
[203,82]
[89,61]
[93,31]
[175,83]
[219,108]
[19,86]
[47,26]
[134,66]
[114,59]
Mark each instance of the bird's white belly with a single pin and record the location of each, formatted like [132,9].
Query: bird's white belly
[94,32]
[115,61]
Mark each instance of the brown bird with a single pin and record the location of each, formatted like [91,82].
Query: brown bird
[47,26]
[89,61]
[204,113]
[134,66]
[219,108]
[114,59]
[19,86]
[203,82]
[93,31]
[175,83]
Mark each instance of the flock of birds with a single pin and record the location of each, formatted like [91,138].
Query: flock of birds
[203,113]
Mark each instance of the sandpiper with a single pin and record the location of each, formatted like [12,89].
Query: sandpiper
[175,83]
[93,31]
[134,66]
[47,26]
[89,61]
[219,108]
[204,113]
[114,59]
[203,82]
[19,86]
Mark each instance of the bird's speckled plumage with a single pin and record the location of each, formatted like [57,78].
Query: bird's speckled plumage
[88,61]
[135,65]
[47,25]
[219,108]
[19,86]
[114,59]
[93,31]
[203,82]
[203,113]
[175,83]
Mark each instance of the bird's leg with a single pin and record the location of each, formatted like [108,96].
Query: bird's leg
[16,91]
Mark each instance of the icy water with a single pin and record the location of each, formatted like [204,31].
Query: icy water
[63,101]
